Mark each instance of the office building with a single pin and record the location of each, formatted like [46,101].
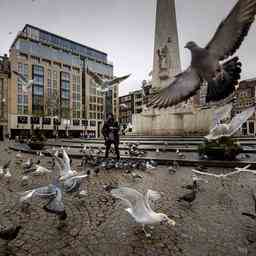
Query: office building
[63,96]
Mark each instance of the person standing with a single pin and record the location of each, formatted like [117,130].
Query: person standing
[110,131]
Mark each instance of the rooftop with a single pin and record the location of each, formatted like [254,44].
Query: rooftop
[46,37]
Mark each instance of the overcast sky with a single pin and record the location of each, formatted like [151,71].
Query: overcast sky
[124,29]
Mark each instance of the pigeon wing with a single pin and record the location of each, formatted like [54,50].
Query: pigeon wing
[95,77]
[41,192]
[232,31]
[56,204]
[182,88]
[118,80]
[237,121]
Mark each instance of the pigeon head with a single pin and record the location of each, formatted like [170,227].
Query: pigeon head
[164,219]
[191,45]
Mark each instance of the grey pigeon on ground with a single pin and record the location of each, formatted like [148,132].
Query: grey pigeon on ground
[205,63]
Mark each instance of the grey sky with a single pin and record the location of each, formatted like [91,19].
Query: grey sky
[122,28]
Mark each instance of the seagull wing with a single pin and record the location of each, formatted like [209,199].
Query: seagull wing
[221,113]
[95,77]
[23,78]
[237,121]
[118,80]
[151,195]
[182,88]
[134,199]
[66,162]
[232,31]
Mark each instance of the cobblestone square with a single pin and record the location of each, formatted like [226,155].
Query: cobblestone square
[98,225]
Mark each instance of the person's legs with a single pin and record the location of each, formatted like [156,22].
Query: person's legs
[117,151]
[107,149]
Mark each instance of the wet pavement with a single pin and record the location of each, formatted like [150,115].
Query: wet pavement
[98,225]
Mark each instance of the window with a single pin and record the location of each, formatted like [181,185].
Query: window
[22,120]
[92,123]
[34,120]
[65,94]
[76,122]
[38,89]
[46,120]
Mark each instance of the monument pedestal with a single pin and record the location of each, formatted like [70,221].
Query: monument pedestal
[171,121]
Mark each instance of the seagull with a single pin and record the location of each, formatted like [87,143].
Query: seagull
[64,166]
[139,207]
[123,106]
[28,164]
[104,84]
[8,174]
[227,130]
[27,84]
[136,176]
[99,89]
[18,155]
[41,170]
[205,62]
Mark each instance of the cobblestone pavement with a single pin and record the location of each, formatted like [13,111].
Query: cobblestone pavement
[98,225]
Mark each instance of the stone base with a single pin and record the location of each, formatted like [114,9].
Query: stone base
[173,121]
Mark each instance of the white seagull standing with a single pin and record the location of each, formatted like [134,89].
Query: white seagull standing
[139,207]
[26,83]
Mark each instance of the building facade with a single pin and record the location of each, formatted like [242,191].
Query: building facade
[63,97]
[4,85]
[134,104]
[245,98]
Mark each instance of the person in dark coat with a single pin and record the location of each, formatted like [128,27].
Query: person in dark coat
[110,131]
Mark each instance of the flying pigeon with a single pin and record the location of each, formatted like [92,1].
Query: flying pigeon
[139,207]
[205,63]
[106,83]
[26,83]
[227,130]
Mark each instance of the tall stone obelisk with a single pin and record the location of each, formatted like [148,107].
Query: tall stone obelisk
[166,62]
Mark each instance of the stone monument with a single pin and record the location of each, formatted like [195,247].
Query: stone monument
[166,64]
